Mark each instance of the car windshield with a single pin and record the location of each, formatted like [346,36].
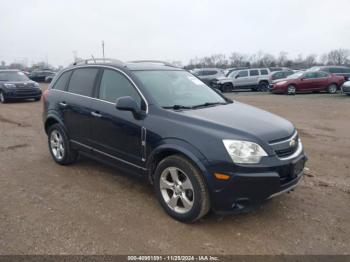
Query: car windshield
[296,75]
[178,89]
[13,76]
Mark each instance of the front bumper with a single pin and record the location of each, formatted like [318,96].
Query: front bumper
[248,189]
[14,94]
[345,89]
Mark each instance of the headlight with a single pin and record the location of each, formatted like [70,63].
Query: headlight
[36,84]
[10,85]
[281,83]
[244,152]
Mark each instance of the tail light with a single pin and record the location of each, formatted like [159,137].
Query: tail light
[45,94]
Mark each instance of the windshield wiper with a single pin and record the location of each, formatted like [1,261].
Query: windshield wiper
[177,107]
[209,104]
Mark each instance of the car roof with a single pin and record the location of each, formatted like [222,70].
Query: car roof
[133,66]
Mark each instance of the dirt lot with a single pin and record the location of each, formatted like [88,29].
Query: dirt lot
[89,208]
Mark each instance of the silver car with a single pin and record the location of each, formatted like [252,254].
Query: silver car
[207,75]
[345,88]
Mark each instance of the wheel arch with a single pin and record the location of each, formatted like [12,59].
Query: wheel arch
[52,119]
[175,147]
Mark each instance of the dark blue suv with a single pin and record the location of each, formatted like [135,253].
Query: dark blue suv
[200,150]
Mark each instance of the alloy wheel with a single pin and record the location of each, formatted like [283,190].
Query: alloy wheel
[57,145]
[291,90]
[2,98]
[177,190]
[332,89]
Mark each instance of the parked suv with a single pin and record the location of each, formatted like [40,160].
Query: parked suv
[208,75]
[162,123]
[336,70]
[15,85]
[254,78]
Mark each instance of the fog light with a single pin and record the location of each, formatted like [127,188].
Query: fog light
[221,176]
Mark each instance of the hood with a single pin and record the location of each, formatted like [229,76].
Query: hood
[240,119]
[279,80]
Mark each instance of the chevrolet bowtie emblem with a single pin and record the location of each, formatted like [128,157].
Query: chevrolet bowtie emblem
[292,143]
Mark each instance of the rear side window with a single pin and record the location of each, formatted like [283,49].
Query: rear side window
[264,72]
[346,70]
[254,72]
[82,81]
[334,70]
[322,74]
[62,81]
[114,85]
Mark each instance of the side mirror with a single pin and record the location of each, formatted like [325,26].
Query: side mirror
[127,103]
[237,76]
[302,78]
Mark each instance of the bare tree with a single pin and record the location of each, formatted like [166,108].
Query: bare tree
[338,56]
[282,58]
[310,60]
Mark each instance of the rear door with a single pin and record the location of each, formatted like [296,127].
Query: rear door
[253,77]
[117,133]
[75,104]
[321,80]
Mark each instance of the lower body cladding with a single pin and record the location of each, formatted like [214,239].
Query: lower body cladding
[245,191]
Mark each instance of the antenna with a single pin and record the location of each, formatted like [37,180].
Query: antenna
[103,50]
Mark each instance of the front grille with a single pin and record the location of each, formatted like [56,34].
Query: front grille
[286,147]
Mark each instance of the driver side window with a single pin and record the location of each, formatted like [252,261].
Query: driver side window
[242,74]
[115,85]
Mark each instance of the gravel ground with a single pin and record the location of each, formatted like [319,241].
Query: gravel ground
[89,208]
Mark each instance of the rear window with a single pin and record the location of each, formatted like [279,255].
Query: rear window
[62,81]
[264,72]
[82,81]
[254,72]
[334,70]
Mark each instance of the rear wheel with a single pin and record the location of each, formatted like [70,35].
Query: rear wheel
[180,189]
[332,89]
[263,86]
[2,98]
[59,146]
[227,87]
[291,90]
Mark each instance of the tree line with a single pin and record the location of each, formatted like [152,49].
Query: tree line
[261,59]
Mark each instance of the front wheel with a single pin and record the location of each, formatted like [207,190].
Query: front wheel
[291,90]
[180,189]
[227,87]
[2,98]
[332,89]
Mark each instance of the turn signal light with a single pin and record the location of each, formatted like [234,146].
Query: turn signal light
[221,176]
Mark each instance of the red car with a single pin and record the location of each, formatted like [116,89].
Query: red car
[307,82]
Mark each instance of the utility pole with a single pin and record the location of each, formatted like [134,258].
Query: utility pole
[103,50]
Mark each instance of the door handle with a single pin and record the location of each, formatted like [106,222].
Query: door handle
[95,114]
[63,104]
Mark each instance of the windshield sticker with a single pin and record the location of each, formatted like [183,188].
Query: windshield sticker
[195,80]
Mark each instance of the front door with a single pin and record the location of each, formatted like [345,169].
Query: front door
[116,133]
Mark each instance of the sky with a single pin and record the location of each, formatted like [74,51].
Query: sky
[172,30]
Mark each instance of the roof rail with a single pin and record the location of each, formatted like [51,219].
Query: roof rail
[153,62]
[98,60]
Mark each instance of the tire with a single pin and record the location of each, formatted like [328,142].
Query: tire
[291,90]
[180,189]
[37,99]
[59,146]
[332,88]
[263,87]
[227,87]
[2,98]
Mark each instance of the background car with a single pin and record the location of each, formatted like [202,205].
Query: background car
[49,78]
[254,78]
[337,70]
[40,75]
[15,85]
[345,88]
[280,75]
[307,82]
[207,75]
